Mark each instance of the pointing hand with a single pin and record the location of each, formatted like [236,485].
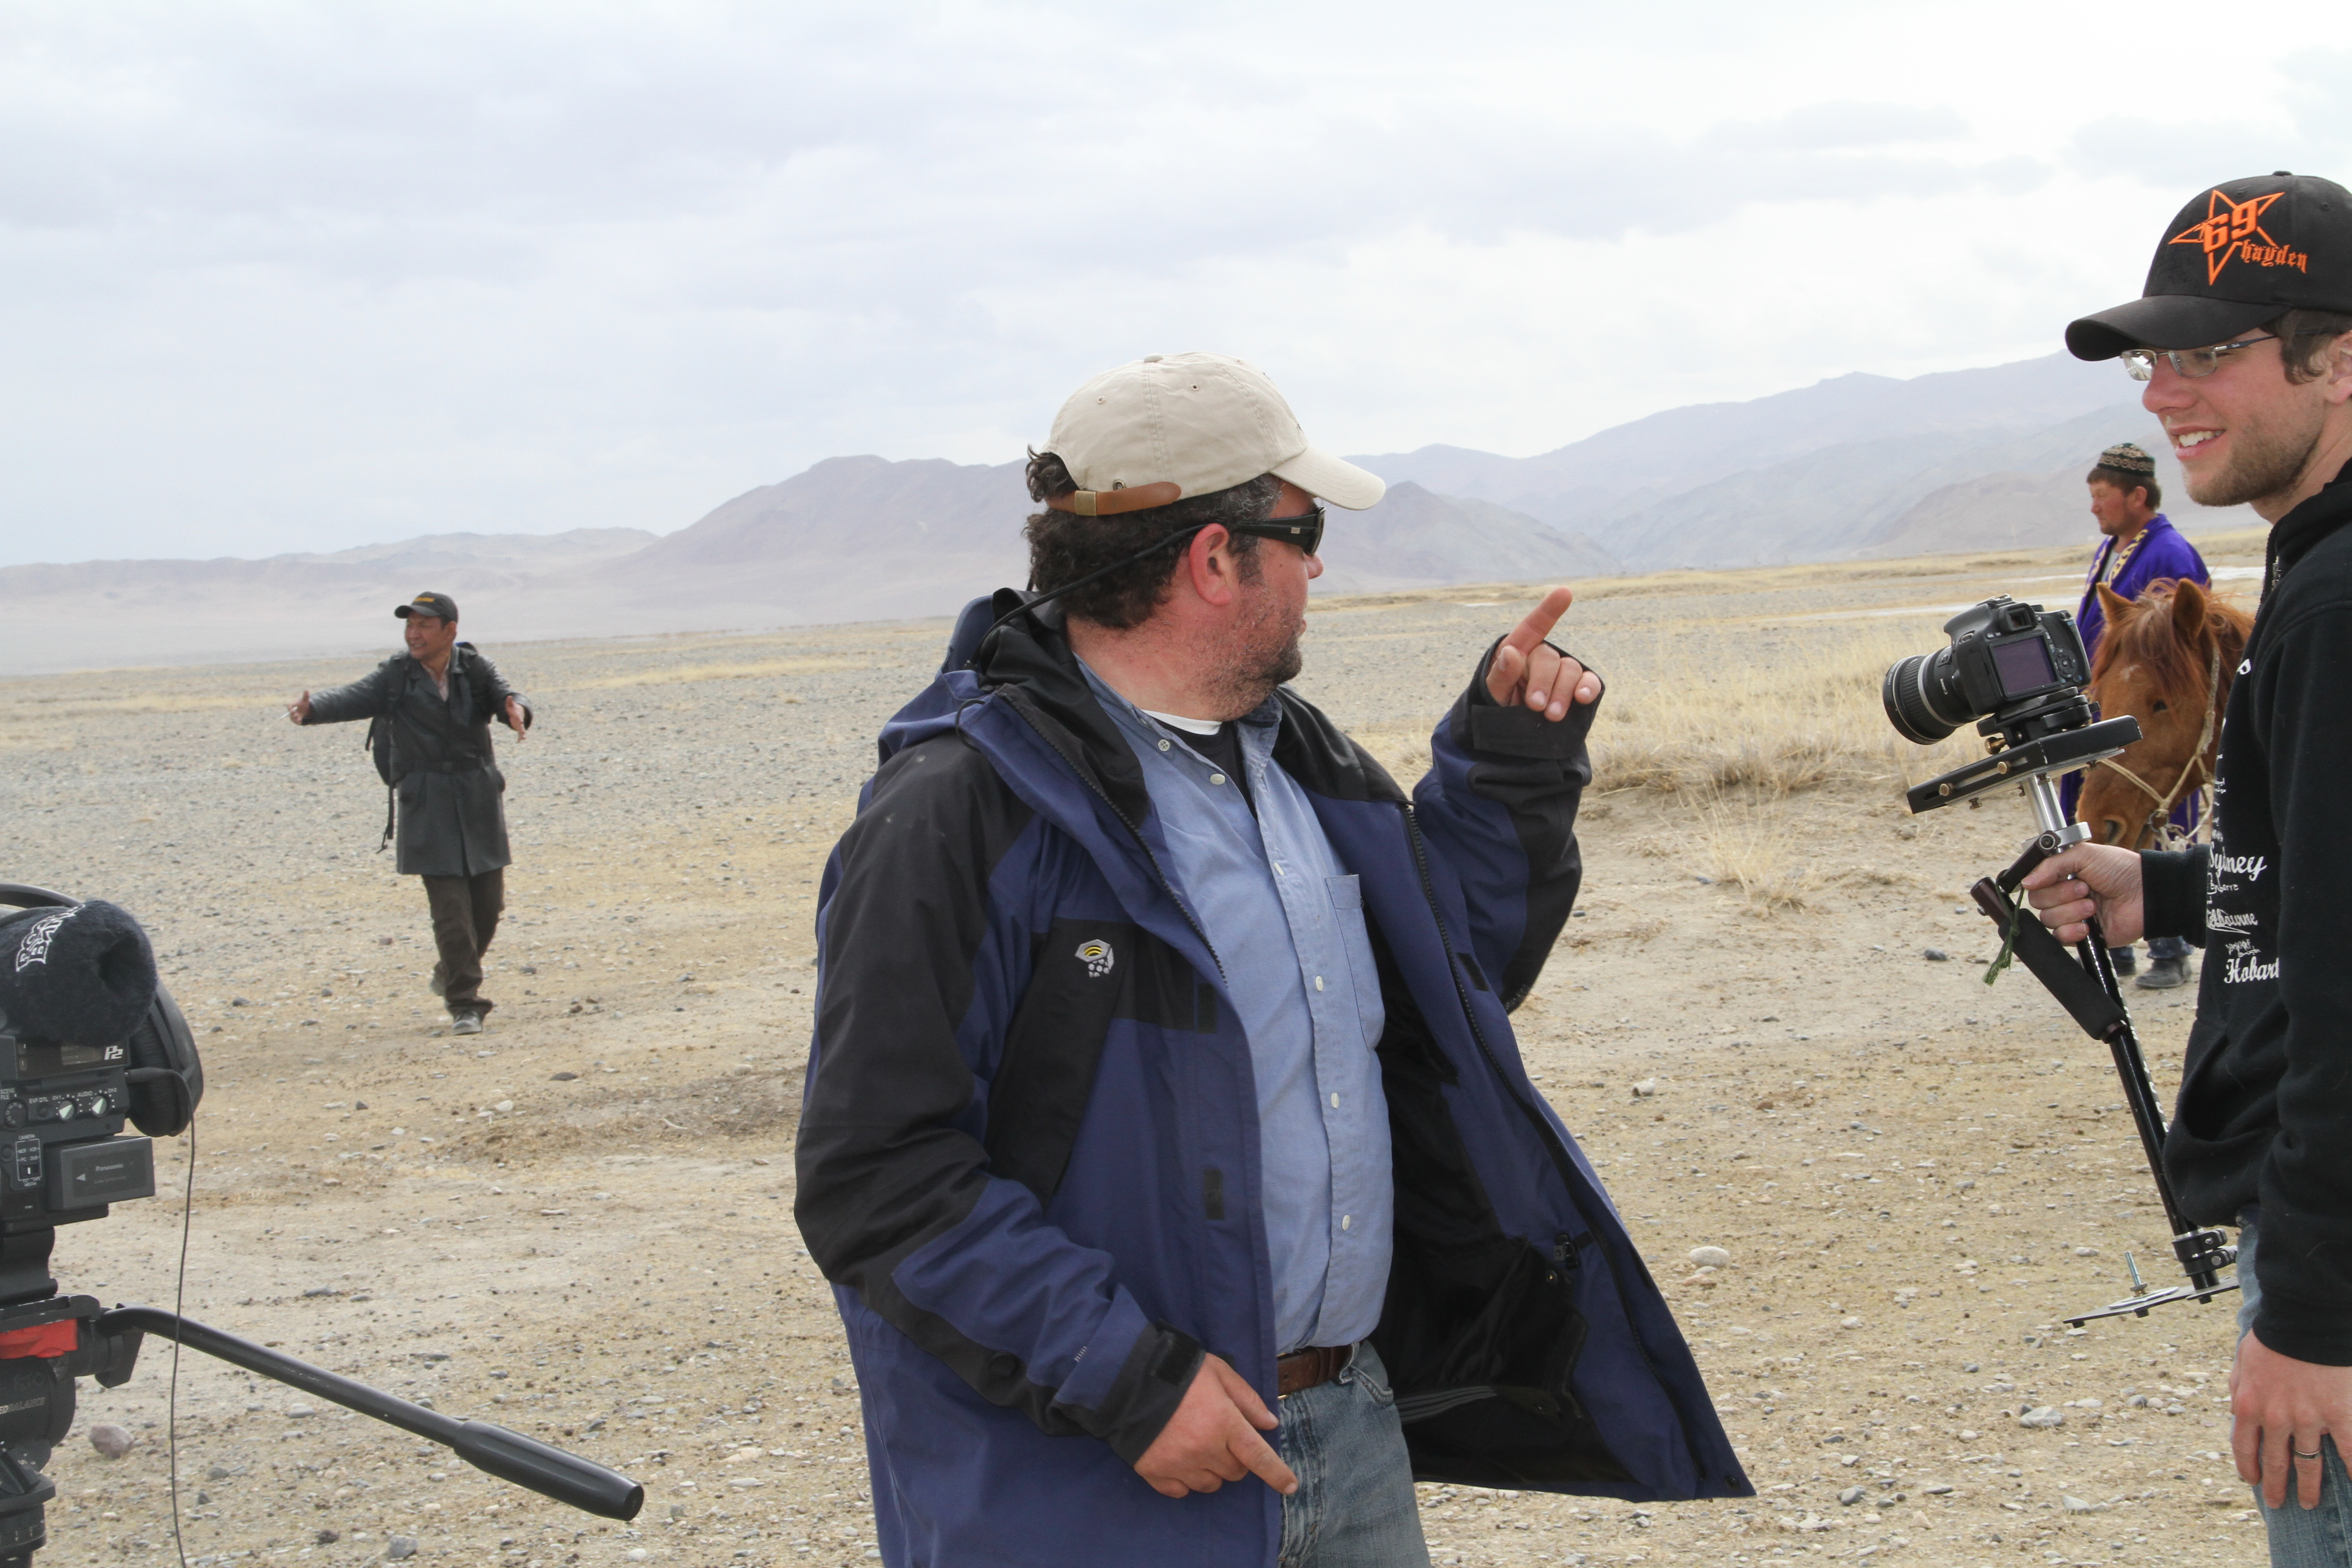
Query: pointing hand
[1528,670]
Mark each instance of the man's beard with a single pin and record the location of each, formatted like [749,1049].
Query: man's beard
[1262,653]
[2267,462]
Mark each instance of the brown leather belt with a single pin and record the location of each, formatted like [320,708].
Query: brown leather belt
[1306,1369]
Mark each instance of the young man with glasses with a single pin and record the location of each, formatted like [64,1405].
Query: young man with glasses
[1164,1128]
[2243,335]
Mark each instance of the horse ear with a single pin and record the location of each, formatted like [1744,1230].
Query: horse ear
[2114,604]
[2188,612]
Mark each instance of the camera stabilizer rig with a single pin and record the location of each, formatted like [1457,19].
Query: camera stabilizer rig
[2024,668]
[95,1040]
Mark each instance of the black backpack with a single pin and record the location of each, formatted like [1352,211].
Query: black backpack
[378,742]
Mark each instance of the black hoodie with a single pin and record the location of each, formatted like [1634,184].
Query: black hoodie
[2265,1112]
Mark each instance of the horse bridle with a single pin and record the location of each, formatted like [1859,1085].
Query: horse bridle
[2159,820]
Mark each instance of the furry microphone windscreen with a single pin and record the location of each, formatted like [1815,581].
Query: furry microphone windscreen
[82,976]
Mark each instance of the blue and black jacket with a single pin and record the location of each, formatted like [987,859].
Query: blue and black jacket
[1028,1155]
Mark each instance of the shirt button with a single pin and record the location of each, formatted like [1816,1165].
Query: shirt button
[1163,746]
[1216,778]
[1335,1099]
[1346,1220]
[1318,982]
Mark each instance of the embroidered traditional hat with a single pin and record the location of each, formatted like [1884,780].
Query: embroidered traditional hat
[2127,458]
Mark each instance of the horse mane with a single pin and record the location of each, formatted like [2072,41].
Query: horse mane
[2145,638]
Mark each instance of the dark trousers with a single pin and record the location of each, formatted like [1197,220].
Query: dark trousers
[465,912]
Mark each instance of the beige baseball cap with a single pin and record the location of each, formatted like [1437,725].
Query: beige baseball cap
[1185,424]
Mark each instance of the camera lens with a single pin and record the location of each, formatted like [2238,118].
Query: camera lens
[1910,693]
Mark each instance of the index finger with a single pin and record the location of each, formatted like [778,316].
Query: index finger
[1529,634]
[1263,1463]
[2059,867]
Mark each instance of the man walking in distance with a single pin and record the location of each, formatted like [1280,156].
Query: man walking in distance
[2244,337]
[2139,546]
[1164,1128]
[438,701]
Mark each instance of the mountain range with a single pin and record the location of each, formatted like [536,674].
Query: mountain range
[1854,466]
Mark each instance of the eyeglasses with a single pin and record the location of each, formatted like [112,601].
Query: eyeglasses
[1306,531]
[2194,364]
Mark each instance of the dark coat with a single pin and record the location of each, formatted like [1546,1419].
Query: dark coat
[1034,1178]
[445,768]
[2263,1119]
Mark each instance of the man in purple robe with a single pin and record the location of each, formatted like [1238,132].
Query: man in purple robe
[2138,546]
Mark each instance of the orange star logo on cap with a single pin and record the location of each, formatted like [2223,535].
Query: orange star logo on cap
[2230,230]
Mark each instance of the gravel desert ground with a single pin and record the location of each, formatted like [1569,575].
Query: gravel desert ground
[579,1224]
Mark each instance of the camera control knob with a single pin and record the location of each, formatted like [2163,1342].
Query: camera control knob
[12,1113]
[98,1105]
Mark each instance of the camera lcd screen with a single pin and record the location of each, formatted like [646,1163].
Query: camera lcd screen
[2024,665]
[44,1061]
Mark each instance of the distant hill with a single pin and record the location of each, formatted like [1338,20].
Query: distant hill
[1857,466]
[848,539]
[100,613]
[1633,464]
[1417,538]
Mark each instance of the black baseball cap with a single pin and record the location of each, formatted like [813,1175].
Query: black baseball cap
[2236,255]
[436,604]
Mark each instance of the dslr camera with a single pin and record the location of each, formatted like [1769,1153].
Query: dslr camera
[2001,660]
[2016,672]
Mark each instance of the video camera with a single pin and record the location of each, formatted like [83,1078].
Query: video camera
[89,1039]
[2019,672]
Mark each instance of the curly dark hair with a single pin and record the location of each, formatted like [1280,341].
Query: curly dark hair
[1064,547]
[2307,338]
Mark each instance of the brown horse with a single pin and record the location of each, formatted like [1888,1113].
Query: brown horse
[2166,658]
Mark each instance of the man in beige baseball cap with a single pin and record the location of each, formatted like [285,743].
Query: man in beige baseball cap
[1163,1074]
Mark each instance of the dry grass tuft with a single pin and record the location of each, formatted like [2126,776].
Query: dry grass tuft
[1746,842]
[1710,712]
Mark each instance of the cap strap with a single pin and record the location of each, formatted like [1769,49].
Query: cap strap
[1110,503]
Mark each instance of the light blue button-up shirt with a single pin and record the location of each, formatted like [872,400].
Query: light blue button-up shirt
[1287,925]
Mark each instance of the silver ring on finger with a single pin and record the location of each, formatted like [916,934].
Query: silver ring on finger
[2301,1454]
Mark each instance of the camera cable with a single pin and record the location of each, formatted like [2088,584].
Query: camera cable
[179,1309]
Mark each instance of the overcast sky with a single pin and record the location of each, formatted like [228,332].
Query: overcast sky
[280,276]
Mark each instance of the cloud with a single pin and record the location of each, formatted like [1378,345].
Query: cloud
[279,278]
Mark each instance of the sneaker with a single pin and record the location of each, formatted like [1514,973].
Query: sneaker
[466,1024]
[2125,959]
[2164,974]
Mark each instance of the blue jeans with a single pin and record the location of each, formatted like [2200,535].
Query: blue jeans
[1355,1506]
[2300,1538]
[2168,947]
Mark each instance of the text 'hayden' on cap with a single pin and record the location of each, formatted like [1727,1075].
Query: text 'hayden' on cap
[1171,426]
[2236,256]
